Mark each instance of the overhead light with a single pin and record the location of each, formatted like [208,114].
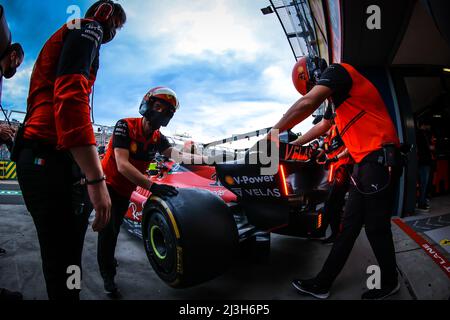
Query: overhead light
[446,69]
[267,10]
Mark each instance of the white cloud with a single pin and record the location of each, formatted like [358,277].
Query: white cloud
[277,79]
[167,33]
[197,28]
[15,90]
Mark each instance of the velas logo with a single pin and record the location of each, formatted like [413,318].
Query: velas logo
[133,147]
[245,180]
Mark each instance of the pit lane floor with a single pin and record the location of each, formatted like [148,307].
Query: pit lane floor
[20,268]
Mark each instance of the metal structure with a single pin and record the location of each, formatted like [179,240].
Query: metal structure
[298,25]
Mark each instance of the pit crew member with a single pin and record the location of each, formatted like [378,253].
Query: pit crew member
[367,130]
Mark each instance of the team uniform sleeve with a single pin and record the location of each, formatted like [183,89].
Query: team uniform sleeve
[72,87]
[164,144]
[121,136]
[336,78]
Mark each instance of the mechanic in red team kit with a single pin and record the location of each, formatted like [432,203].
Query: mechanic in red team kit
[370,136]
[133,146]
[57,162]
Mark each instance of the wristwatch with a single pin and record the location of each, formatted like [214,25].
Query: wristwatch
[96,181]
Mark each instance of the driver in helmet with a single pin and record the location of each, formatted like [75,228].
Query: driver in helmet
[367,130]
[133,146]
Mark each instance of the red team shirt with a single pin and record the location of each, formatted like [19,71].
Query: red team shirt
[129,134]
[61,82]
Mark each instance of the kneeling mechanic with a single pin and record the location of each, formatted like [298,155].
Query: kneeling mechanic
[133,146]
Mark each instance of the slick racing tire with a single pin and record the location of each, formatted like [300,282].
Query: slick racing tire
[190,238]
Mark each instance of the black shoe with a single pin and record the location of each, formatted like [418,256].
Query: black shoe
[423,209]
[311,287]
[380,294]
[6,295]
[111,287]
[329,241]
[2,252]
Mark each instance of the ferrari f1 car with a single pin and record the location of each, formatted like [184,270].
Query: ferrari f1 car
[195,236]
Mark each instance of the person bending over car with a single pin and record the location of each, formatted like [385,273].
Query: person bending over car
[133,146]
[367,130]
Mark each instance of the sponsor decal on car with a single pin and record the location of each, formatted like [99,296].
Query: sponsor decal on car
[220,193]
[295,152]
[263,192]
[271,193]
[246,180]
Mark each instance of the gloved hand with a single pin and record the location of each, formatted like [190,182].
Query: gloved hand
[327,161]
[331,160]
[315,144]
[163,190]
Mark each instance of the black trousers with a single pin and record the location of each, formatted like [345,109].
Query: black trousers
[374,211]
[336,198]
[60,212]
[107,238]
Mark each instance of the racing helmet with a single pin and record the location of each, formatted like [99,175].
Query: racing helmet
[306,72]
[163,94]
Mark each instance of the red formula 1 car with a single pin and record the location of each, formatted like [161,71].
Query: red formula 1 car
[165,171]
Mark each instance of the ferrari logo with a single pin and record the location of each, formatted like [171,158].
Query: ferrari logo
[445,242]
[133,147]
[301,73]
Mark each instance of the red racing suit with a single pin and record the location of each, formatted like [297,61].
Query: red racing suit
[64,73]
[129,134]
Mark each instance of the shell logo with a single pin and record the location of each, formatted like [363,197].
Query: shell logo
[133,147]
[229,180]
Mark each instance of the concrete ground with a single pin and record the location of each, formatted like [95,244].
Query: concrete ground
[20,268]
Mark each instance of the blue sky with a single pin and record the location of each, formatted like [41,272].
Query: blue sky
[229,64]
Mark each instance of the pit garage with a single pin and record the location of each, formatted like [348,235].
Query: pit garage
[408,59]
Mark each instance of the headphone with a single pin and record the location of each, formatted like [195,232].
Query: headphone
[316,66]
[104,11]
